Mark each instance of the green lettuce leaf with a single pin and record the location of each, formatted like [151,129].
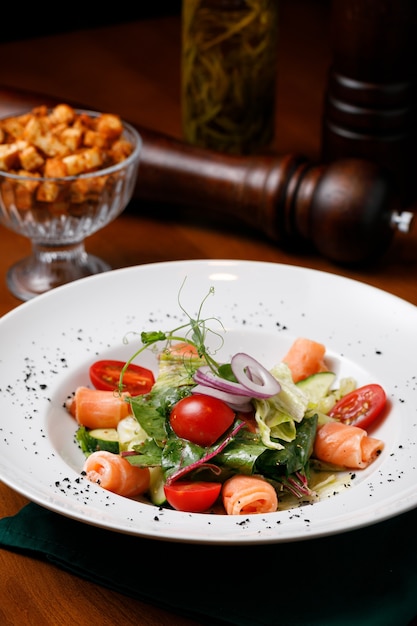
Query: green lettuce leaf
[277,416]
[294,456]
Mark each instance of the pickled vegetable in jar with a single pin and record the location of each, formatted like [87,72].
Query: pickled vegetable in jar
[229,65]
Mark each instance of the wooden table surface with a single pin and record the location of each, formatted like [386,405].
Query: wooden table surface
[133,69]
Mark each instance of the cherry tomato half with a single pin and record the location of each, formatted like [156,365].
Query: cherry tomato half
[105,375]
[360,407]
[194,497]
[201,419]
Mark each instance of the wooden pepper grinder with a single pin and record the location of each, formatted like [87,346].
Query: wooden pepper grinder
[348,210]
[370,104]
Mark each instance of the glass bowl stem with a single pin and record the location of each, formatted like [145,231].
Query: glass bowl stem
[50,266]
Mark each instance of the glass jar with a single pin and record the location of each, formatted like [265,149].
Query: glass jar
[229,67]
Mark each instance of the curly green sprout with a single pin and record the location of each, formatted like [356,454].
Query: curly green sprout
[195,336]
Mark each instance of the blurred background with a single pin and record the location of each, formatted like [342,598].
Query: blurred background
[36,20]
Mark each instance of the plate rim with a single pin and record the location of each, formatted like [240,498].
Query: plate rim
[55,294]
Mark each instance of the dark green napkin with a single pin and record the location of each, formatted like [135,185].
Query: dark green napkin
[363,577]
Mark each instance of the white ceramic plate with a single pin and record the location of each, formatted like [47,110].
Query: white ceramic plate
[48,343]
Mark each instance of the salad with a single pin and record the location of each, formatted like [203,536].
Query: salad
[224,437]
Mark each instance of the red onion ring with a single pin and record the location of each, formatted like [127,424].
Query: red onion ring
[205,376]
[236,402]
[254,376]
[254,380]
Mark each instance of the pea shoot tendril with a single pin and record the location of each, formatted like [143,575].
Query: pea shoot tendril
[196,336]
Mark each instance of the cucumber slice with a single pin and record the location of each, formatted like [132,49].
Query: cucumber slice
[317,386]
[156,486]
[104,439]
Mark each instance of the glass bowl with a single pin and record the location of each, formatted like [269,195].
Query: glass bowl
[58,213]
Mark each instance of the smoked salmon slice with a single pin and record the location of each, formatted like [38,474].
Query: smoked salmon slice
[94,408]
[346,446]
[305,358]
[116,474]
[182,349]
[245,495]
